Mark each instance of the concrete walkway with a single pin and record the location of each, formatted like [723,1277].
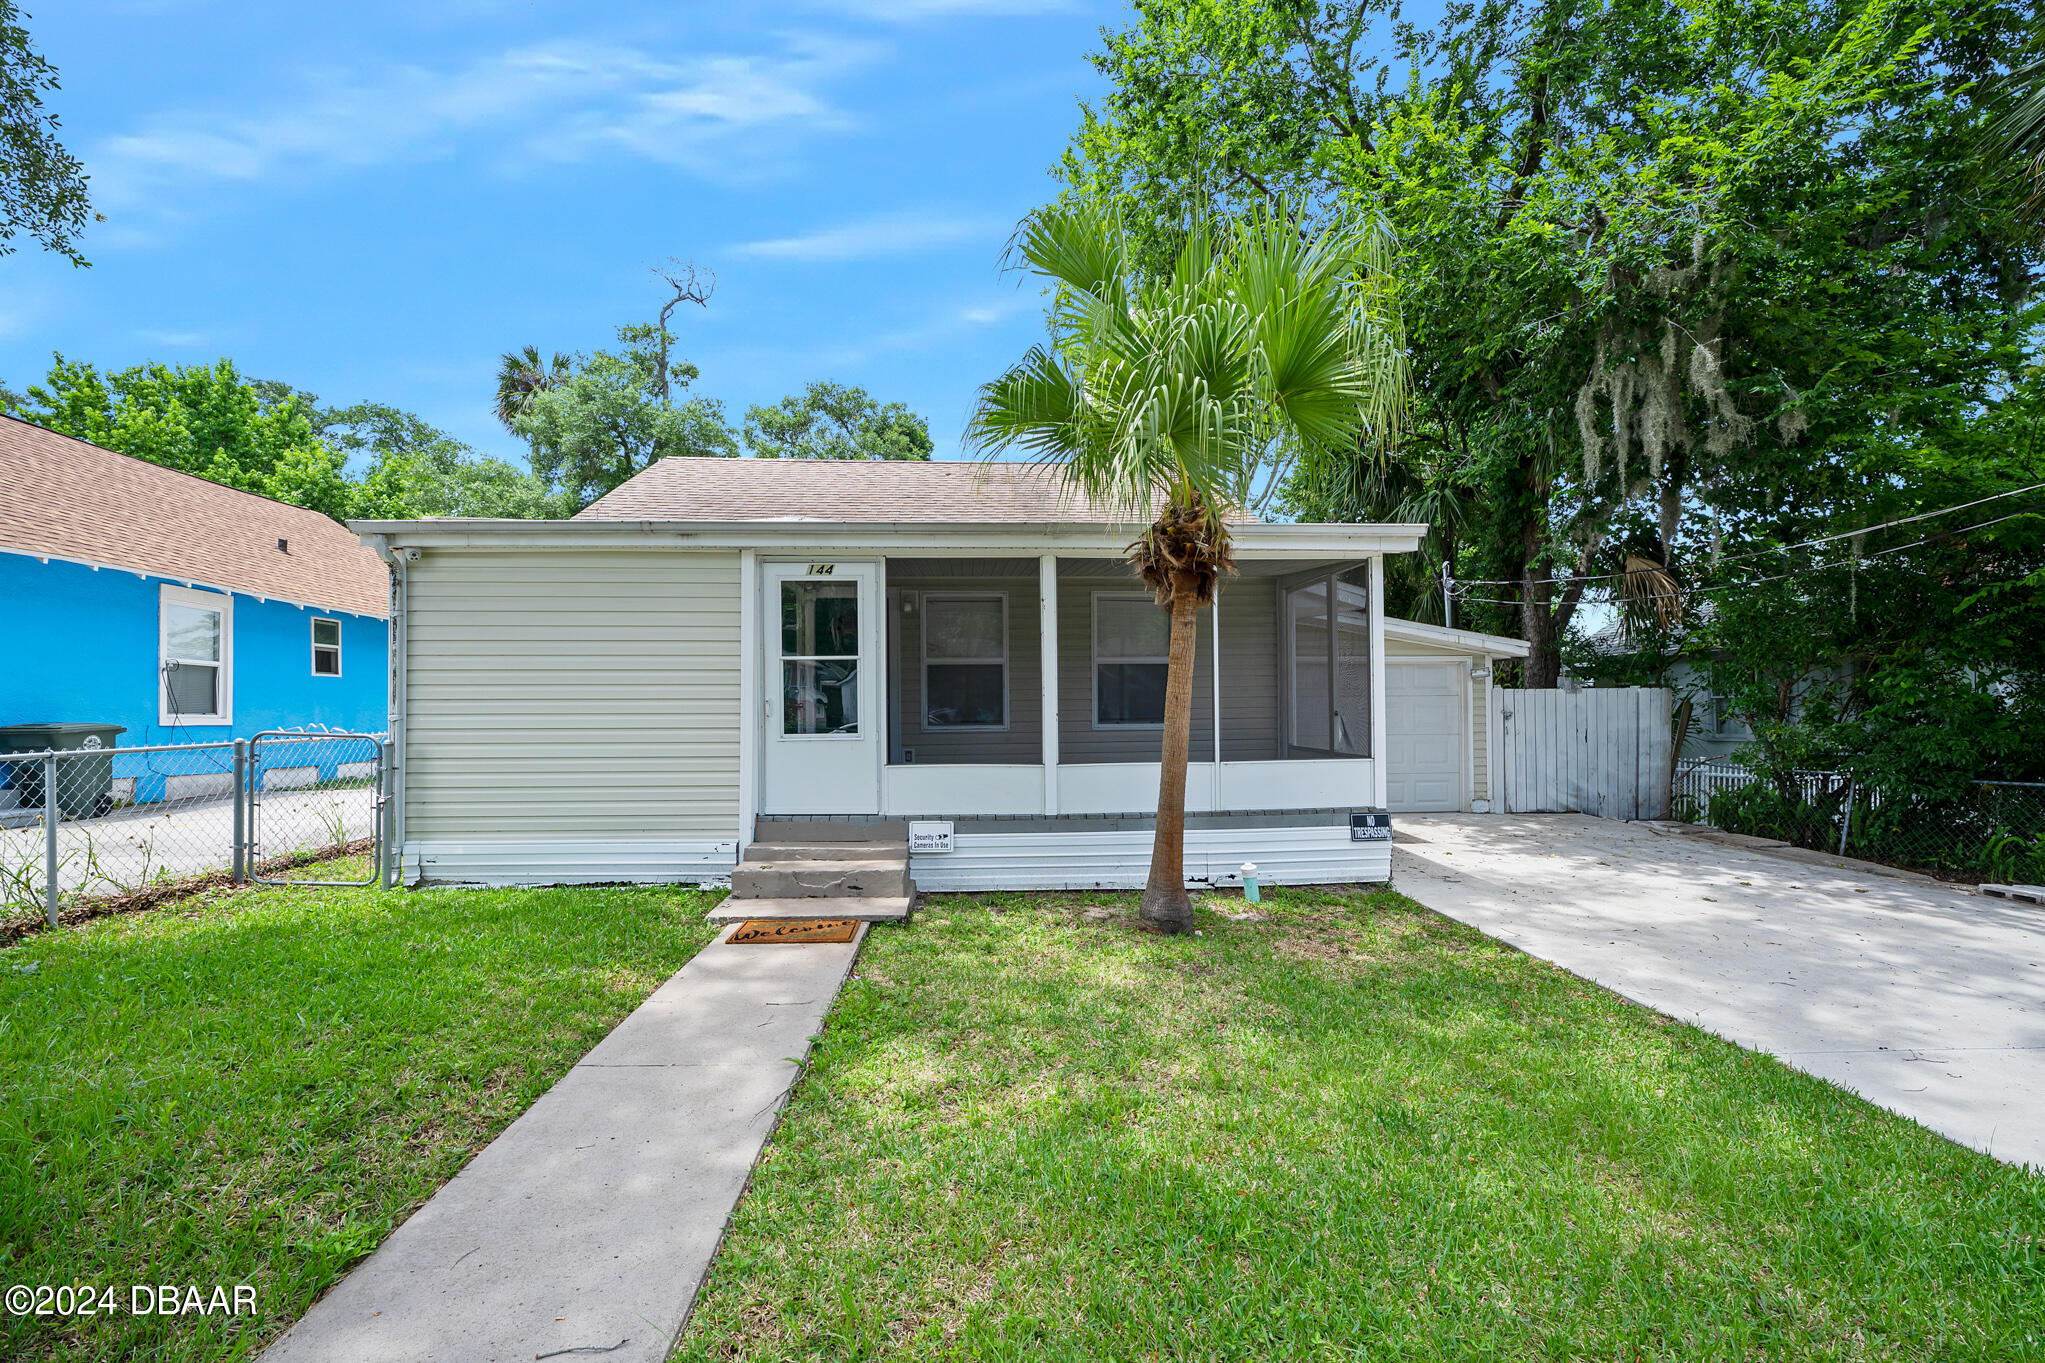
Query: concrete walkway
[584,1230]
[1921,997]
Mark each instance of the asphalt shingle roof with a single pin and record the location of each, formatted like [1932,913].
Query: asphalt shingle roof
[937,492]
[67,498]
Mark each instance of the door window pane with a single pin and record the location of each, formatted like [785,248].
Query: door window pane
[820,697]
[189,632]
[820,620]
[1130,693]
[192,688]
[1307,612]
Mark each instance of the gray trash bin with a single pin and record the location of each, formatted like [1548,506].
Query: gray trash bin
[85,785]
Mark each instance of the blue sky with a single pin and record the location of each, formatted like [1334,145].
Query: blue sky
[373,201]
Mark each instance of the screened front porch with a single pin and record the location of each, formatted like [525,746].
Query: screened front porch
[1035,686]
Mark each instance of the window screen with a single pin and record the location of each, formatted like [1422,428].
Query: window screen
[1132,656]
[965,662]
[191,659]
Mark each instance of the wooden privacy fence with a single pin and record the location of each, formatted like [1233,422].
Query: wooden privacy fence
[1601,751]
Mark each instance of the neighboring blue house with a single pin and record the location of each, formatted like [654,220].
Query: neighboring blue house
[182,610]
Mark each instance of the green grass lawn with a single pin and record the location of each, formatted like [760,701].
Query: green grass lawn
[1346,1129]
[257,1087]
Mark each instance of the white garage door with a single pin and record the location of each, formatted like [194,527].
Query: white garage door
[1424,736]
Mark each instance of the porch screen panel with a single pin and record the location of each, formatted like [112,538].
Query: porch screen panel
[1307,613]
[819,657]
[1327,665]
[1352,663]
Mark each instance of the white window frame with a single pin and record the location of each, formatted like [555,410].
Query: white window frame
[339,635]
[221,604]
[1093,704]
[923,718]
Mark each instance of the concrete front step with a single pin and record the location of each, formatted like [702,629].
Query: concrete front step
[815,878]
[875,909]
[825,830]
[826,851]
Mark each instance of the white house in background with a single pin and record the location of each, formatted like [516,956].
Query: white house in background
[719,643]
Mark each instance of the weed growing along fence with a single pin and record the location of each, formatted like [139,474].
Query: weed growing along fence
[99,824]
[1990,830]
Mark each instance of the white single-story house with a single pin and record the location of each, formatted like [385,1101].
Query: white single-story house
[722,643]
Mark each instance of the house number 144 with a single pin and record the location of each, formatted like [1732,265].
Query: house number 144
[822,569]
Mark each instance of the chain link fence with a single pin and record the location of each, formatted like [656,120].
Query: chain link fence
[84,828]
[1986,830]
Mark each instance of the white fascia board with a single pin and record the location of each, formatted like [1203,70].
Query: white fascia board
[1496,645]
[897,538]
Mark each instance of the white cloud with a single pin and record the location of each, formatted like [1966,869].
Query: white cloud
[560,101]
[893,234]
[947,325]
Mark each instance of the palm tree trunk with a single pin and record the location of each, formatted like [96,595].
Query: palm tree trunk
[1165,902]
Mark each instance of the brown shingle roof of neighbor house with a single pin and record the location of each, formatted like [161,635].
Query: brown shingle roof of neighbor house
[937,492]
[70,499]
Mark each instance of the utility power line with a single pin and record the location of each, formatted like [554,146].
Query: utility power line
[1816,567]
[1776,548]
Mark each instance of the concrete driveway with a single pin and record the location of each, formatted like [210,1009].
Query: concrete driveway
[1926,999]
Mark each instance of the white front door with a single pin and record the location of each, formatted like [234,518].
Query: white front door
[1425,735]
[823,686]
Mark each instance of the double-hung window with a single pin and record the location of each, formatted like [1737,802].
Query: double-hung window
[965,661]
[195,656]
[326,647]
[1131,657]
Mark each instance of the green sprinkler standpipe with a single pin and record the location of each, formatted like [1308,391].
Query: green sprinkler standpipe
[1250,882]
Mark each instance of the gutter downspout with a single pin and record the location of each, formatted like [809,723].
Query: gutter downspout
[399,634]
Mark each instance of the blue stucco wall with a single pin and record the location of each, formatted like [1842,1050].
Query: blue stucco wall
[80,644]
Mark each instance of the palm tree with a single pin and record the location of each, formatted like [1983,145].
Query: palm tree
[520,374]
[1185,399]
[2020,134]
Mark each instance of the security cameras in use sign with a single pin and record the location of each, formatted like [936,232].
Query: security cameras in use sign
[929,835]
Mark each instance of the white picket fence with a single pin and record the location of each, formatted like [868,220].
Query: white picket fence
[1602,751]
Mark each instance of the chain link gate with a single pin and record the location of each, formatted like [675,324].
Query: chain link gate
[314,797]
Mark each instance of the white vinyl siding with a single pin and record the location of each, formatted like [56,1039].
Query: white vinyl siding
[572,694]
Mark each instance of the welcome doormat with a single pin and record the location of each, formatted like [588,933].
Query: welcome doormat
[758,930]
